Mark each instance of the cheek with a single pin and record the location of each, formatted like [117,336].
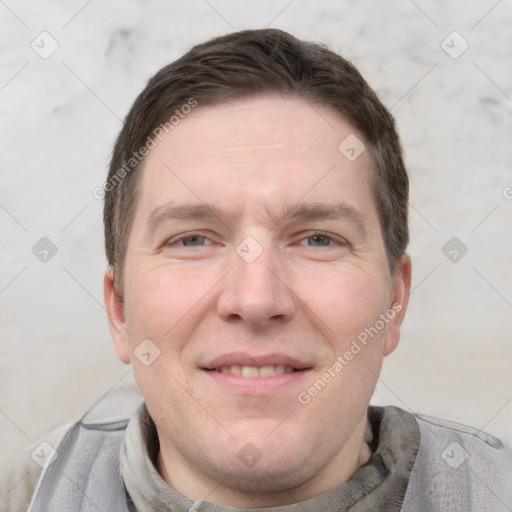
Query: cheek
[155,299]
[162,308]
[346,310]
[166,304]
[351,305]
[346,301]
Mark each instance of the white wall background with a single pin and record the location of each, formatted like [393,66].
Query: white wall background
[60,116]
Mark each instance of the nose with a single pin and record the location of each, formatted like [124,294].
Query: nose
[256,292]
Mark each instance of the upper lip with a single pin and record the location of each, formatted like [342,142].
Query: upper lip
[258,360]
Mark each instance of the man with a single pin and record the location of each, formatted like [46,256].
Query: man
[256,226]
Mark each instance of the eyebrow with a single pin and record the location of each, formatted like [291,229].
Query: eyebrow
[168,212]
[320,211]
[294,213]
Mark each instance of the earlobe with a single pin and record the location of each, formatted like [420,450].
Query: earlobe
[399,302]
[116,319]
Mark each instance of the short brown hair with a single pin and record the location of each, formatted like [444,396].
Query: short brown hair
[248,63]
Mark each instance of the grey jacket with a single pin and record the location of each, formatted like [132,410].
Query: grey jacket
[457,469]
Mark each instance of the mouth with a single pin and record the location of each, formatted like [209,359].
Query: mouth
[251,372]
[256,375]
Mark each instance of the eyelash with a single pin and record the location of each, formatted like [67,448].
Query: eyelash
[333,240]
[176,240]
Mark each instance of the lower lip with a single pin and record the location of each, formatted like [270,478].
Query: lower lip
[257,385]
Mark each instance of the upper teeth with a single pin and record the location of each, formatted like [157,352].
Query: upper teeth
[255,371]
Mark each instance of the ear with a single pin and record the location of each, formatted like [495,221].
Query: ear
[116,320]
[399,301]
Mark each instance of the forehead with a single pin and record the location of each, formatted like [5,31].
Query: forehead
[268,150]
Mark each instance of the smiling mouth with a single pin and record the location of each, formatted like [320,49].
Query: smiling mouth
[251,372]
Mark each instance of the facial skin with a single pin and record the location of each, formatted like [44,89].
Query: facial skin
[270,169]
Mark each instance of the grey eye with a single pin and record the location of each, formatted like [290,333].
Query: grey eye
[193,240]
[319,240]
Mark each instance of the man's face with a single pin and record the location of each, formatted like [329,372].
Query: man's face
[254,261]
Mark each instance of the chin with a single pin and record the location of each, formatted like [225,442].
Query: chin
[267,466]
[268,479]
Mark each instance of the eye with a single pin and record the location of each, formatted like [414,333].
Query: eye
[192,240]
[189,240]
[319,240]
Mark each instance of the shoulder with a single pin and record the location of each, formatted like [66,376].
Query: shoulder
[20,473]
[459,468]
[23,476]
